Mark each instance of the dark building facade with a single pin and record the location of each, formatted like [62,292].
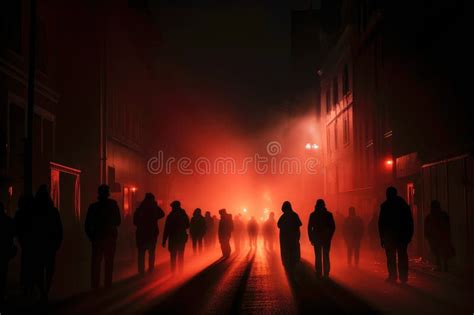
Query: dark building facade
[93,105]
[395,112]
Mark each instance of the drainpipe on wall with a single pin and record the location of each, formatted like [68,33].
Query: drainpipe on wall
[28,160]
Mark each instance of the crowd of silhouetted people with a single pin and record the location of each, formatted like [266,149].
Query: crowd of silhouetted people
[38,231]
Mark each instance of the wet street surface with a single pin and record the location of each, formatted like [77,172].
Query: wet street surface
[254,282]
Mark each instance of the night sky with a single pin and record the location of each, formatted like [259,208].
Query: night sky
[239,49]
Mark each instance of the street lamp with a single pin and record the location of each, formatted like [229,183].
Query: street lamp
[310,146]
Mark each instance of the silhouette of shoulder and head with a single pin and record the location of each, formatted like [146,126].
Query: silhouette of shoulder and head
[103,192]
[320,205]
[286,207]
[197,212]
[391,193]
[175,205]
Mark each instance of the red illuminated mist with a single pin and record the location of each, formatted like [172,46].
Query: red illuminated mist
[198,120]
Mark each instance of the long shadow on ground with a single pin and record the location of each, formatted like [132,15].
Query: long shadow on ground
[313,295]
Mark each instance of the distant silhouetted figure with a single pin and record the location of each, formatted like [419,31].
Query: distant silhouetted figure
[353,230]
[321,229]
[23,226]
[269,232]
[146,220]
[238,232]
[210,230]
[252,230]
[197,230]
[7,249]
[177,223]
[47,236]
[289,225]
[438,235]
[396,232]
[226,226]
[102,220]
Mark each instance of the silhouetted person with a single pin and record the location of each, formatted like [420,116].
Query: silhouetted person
[47,236]
[177,223]
[102,220]
[396,232]
[210,228]
[321,229]
[373,234]
[438,235]
[226,226]
[353,230]
[197,230]
[146,220]
[7,249]
[252,230]
[289,225]
[238,232]
[269,232]
[23,226]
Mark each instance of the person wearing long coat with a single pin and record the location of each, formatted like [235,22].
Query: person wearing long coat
[176,226]
[197,230]
[289,225]
[146,219]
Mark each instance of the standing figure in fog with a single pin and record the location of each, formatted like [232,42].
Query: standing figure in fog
[353,230]
[226,226]
[146,219]
[23,225]
[289,225]
[177,223]
[252,230]
[7,249]
[396,232]
[269,232]
[321,229]
[210,227]
[438,235]
[102,220]
[197,230]
[238,232]
[47,236]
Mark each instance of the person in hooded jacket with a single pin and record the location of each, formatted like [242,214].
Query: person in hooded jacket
[438,235]
[47,236]
[197,230]
[226,226]
[102,221]
[289,224]
[396,232]
[321,228]
[146,219]
[176,226]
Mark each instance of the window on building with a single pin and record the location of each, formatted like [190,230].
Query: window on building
[345,127]
[335,91]
[328,100]
[345,80]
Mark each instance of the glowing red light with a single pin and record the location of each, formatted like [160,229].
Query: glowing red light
[308,146]
[389,162]
[134,189]
[315,146]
